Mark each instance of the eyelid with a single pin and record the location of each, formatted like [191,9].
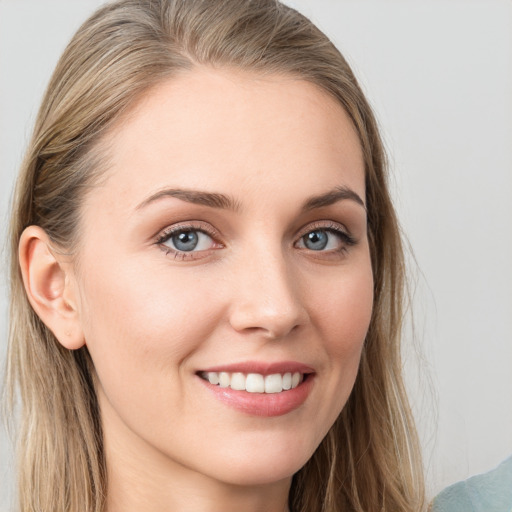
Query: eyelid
[346,239]
[326,225]
[165,234]
[193,225]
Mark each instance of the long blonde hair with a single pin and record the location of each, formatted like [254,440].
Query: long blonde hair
[370,459]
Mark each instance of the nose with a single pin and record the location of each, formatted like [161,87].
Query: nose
[267,299]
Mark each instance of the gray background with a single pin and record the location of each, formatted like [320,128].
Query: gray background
[439,74]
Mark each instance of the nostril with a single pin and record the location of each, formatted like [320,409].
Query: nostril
[267,301]
[266,322]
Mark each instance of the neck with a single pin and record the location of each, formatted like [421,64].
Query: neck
[130,493]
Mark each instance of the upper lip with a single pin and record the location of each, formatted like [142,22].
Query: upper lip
[263,368]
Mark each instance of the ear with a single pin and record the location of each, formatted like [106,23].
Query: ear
[49,286]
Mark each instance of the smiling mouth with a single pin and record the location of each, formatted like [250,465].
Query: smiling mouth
[255,382]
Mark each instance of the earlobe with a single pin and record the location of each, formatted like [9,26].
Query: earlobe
[48,286]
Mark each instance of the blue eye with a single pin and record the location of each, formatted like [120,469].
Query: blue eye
[325,239]
[316,240]
[187,240]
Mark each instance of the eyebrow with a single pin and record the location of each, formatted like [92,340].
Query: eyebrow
[222,201]
[211,199]
[338,194]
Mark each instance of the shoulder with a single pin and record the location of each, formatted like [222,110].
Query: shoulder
[489,492]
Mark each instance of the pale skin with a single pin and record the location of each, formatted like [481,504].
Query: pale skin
[289,166]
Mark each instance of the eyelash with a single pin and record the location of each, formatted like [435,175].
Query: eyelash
[333,228]
[168,233]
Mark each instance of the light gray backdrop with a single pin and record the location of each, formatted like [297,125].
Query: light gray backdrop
[439,74]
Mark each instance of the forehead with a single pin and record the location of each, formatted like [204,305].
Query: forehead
[234,131]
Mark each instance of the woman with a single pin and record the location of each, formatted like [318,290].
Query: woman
[207,273]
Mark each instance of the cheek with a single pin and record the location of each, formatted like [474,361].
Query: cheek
[139,324]
[340,314]
[343,318]
[346,309]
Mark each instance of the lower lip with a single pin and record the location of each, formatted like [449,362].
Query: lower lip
[263,404]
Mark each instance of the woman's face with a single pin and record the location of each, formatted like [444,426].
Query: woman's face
[227,242]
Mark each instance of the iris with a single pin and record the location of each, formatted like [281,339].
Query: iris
[185,240]
[316,240]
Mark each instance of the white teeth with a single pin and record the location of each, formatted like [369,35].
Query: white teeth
[254,382]
[238,381]
[273,383]
[224,379]
[213,378]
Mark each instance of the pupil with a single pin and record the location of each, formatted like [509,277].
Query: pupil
[185,241]
[316,240]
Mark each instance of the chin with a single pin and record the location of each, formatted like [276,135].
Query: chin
[250,475]
[262,466]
